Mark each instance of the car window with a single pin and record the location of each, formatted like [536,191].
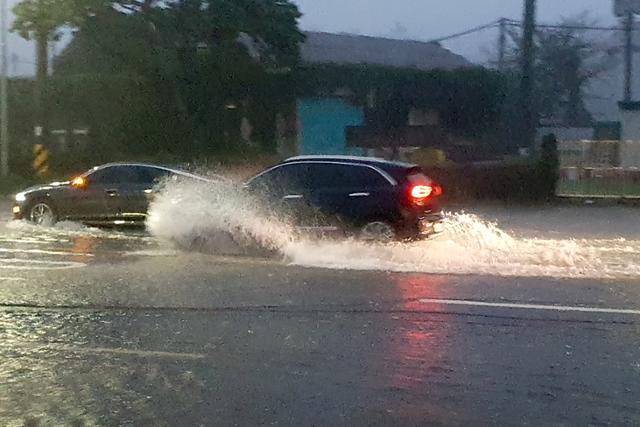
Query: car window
[328,175]
[150,175]
[117,175]
[282,179]
[108,175]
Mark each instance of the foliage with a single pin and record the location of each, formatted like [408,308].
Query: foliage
[511,181]
[20,127]
[13,183]
[567,60]
[468,100]
[34,18]
[187,72]
[506,182]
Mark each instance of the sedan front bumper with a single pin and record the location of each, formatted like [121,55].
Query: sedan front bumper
[18,211]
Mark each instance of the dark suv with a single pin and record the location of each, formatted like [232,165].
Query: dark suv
[375,199]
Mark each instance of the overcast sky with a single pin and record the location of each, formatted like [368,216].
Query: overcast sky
[429,19]
[412,19]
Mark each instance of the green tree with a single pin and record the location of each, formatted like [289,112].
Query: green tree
[191,61]
[41,21]
[568,59]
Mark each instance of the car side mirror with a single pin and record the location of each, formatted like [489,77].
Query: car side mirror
[80,183]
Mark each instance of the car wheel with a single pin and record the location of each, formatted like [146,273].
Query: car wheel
[378,231]
[42,213]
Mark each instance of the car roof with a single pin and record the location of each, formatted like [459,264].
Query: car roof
[371,161]
[110,164]
[175,170]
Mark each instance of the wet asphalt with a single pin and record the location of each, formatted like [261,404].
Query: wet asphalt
[112,328]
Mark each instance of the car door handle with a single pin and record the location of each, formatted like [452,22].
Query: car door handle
[359,194]
[293,197]
[111,192]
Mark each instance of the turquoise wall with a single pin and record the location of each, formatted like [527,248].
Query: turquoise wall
[323,125]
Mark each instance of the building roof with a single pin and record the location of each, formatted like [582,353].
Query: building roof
[322,48]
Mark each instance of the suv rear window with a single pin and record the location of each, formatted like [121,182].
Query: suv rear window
[330,175]
[282,179]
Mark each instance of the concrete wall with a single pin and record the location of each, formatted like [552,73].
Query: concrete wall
[630,146]
[630,154]
[630,125]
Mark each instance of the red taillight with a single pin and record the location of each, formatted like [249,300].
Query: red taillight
[421,191]
[420,194]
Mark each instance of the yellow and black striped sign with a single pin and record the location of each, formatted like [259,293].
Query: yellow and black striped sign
[40,160]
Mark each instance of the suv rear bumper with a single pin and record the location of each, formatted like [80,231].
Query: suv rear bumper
[422,226]
[430,226]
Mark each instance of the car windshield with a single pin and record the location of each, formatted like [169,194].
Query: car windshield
[319,213]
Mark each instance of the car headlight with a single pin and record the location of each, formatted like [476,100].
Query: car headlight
[21,197]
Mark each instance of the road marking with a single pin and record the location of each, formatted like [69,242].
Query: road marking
[28,264]
[566,308]
[31,241]
[43,252]
[14,279]
[127,352]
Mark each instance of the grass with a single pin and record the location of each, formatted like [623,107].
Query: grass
[599,187]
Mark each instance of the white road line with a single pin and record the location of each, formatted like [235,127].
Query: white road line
[127,352]
[13,279]
[25,264]
[26,241]
[43,252]
[565,308]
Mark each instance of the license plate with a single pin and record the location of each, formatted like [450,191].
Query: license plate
[438,227]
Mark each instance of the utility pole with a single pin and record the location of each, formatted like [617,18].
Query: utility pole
[4,116]
[628,56]
[527,113]
[41,128]
[502,43]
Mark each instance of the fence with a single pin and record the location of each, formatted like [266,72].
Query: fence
[599,169]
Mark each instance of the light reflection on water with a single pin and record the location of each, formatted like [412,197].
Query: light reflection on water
[44,383]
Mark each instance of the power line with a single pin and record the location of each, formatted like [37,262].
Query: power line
[467,32]
[515,23]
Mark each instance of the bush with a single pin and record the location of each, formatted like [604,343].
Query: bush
[509,182]
[13,183]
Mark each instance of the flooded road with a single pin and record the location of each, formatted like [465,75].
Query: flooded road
[104,327]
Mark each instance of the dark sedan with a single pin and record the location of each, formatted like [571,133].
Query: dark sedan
[111,194]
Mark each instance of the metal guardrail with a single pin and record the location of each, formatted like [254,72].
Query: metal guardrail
[603,169]
[599,182]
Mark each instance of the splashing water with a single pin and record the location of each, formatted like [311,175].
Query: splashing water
[218,217]
[193,214]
